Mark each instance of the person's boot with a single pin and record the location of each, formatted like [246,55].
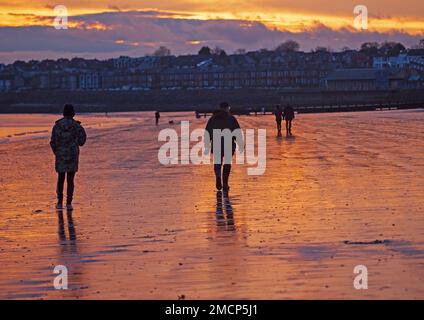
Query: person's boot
[59,204]
[225,184]
[69,206]
[218,184]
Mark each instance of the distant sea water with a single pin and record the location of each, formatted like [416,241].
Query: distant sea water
[18,127]
[15,127]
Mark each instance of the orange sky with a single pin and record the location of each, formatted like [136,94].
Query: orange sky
[295,16]
[104,29]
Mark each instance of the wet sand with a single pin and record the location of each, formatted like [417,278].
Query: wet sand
[141,230]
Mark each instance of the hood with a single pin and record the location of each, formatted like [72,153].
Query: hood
[66,122]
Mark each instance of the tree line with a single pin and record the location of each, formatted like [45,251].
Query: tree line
[387,48]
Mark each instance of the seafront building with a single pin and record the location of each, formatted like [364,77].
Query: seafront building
[347,70]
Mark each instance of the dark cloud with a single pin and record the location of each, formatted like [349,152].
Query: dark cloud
[115,8]
[138,32]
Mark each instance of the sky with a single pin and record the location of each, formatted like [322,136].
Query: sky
[105,29]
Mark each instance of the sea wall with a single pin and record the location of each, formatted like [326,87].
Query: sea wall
[189,100]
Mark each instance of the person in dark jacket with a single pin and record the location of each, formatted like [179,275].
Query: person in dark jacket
[278,118]
[221,120]
[289,116]
[67,136]
[157,117]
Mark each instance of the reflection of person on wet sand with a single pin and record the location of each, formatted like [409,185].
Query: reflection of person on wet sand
[71,227]
[289,116]
[69,255]
[224,211]
[67,136]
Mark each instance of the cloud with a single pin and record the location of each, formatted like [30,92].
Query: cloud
[136,33]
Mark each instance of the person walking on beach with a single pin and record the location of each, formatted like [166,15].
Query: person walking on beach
[157,117]
[289,116]
[221,120]
[67,137]
[278,118]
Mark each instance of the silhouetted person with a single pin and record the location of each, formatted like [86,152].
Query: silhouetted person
[278,118]
[67,136]
[288,115]
[221,120]
[157,117]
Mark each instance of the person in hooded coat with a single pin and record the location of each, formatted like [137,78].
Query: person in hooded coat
[67,137]
[221,120]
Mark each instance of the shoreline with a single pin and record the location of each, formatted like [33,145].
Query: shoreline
[90,109]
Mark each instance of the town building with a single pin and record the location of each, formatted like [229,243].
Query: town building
[357,79]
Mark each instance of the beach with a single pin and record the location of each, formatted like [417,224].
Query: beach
[346,190]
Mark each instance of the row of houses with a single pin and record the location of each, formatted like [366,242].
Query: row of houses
[413,59]
[270,69]
[337,79]
[403,71]
[348,70]
[169,79]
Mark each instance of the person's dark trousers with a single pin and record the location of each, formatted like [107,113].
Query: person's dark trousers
[70,188]
[222,175]
[218,176]
[288,126]
[279,126]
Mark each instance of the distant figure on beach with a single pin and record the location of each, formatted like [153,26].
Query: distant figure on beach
[221,120]
[278,118]
[157,117]
[67,136]
[289,116]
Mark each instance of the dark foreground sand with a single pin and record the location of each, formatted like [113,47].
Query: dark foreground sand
[141,230]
